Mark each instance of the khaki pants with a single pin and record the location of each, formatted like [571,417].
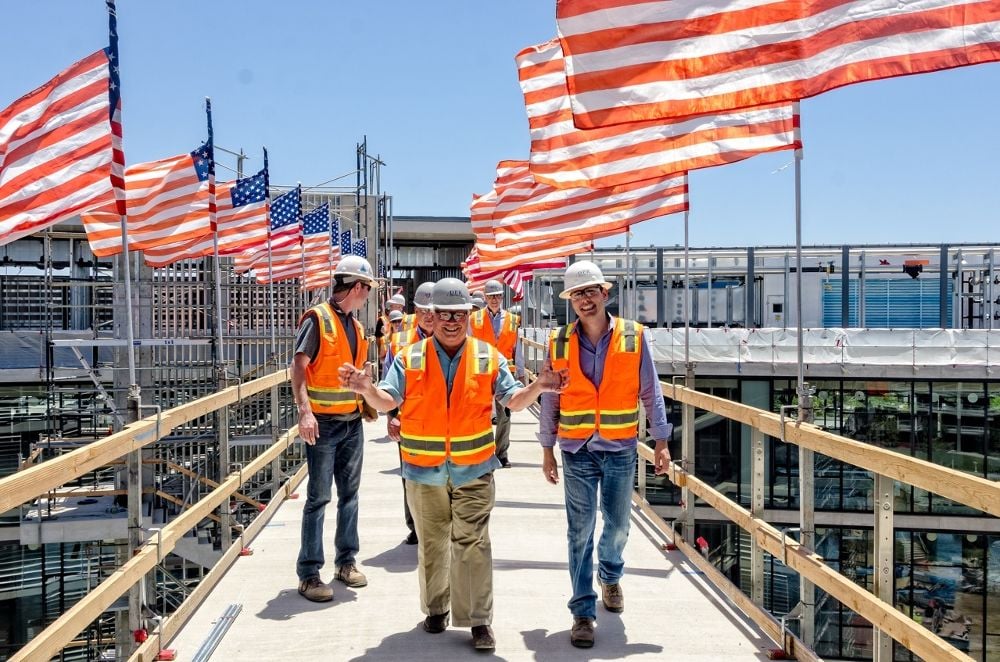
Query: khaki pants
[455,557]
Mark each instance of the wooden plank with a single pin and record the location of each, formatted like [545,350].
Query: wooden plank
[965,488]
[211,483]
[811,566]
[168,628]
[64,629]
[34,481]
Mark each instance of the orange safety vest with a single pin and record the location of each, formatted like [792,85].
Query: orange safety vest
[436,426]
[613,408]
[404,338]
[409,321]
[383,342]
[482,328]
[322,381]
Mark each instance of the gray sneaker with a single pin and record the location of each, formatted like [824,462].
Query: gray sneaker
[314,589]
[350,575]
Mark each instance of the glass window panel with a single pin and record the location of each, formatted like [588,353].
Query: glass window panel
[958,434]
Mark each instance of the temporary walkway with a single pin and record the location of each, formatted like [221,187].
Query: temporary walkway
[671,611]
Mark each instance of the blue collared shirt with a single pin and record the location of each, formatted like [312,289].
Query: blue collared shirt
[505,386]
[592,366]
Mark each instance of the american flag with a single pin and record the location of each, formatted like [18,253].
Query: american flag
[166,201]
[636,60]
[285,231]
[361,247]
[58,147]
[566,157]
[346,247]
[241,221]
[316,232]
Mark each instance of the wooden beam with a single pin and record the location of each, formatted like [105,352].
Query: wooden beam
[41,478]
[64,629]
[967,489]
[211,483]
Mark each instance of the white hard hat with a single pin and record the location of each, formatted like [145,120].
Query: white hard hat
[397,300]
[581,275]
[493,287]
[451,294]
[396,316]
[353,268]
[478,301]
[424,294]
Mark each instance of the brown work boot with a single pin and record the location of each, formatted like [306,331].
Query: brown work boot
[482,638]
[436,623]
[314,589]
[611,595]
[582,634]
[350,575]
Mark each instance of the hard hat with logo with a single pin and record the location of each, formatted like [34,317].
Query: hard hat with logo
[493,287]
[422,297]
[354,268]
[396,316]
[397,300]
[478,302]
[451,294]
[581,275]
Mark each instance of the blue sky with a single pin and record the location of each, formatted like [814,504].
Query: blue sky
[433,86]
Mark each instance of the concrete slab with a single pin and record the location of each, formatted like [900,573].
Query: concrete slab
[671,612]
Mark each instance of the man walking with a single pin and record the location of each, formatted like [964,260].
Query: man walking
[330,425]
[595,420]
[499,327]
[445,387]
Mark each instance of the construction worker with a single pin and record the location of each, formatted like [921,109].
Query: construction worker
[478,302]
[595,420]
[395,323]
[445,387]
[424,328]
[499,327]
[330,424]
[397,302]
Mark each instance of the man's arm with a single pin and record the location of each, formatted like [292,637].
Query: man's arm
[307,422]
[360,381]
[651,395]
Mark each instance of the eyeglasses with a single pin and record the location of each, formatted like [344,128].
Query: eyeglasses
[452,315]
[494,296]
[585,293]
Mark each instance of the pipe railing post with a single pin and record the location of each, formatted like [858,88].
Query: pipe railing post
[688,459]
[885,577]
[757,481]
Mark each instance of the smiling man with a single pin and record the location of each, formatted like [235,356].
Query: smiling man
[445,387]
[595,421]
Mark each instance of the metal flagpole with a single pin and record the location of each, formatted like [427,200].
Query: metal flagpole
[806,460]
[687,411]
[270,284]
[625,312]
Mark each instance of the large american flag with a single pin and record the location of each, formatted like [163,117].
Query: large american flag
[166,202]
[566,157]
[241,222]
[58,147]
[285,232]
[635,60]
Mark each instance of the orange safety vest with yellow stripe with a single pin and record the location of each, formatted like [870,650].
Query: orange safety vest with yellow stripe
[436,426]
[612,409]
[401,339]
[383,341]
[409,321]
[482,328]
[322,381]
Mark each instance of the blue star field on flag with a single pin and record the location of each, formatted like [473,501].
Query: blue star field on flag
[345,242]
[202,158]
[285,209]
[361,247]
[317,221]
[249,190]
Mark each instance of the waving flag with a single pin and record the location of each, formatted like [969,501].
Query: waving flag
[241,222]
[361,247]
[285,230]
[566,157]
[57,149]
[637,60]
[346,246]
[166,202]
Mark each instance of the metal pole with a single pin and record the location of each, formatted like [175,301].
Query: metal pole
[708,296]
[885,577]
[806,461]
[845,286]
[687,293]
[624,312]
[943,287]
[862,274]
[687,411]
[757,480]
[661,294]
[989,288]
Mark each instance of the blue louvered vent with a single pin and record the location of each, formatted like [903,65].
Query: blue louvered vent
[889,303]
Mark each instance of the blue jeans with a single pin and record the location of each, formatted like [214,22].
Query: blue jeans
[585,475]
[336,456]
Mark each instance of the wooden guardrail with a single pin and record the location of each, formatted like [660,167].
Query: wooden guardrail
[970,490]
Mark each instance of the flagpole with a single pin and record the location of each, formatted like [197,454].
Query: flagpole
[628,278]
[807,494]
[216,269]
[270,284]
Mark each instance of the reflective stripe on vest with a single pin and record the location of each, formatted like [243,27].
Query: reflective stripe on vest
[481,326]
[465,432]
[322,381]
[584,408]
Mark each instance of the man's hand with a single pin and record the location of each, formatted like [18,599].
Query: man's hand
[392,428]
[661,455]
[359,381]
[549,467]
[553,381]
[308,428]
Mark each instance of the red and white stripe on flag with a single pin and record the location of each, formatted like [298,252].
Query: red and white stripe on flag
[56,150]
[566,157]
[637,60]
[166,203]
[565,216]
